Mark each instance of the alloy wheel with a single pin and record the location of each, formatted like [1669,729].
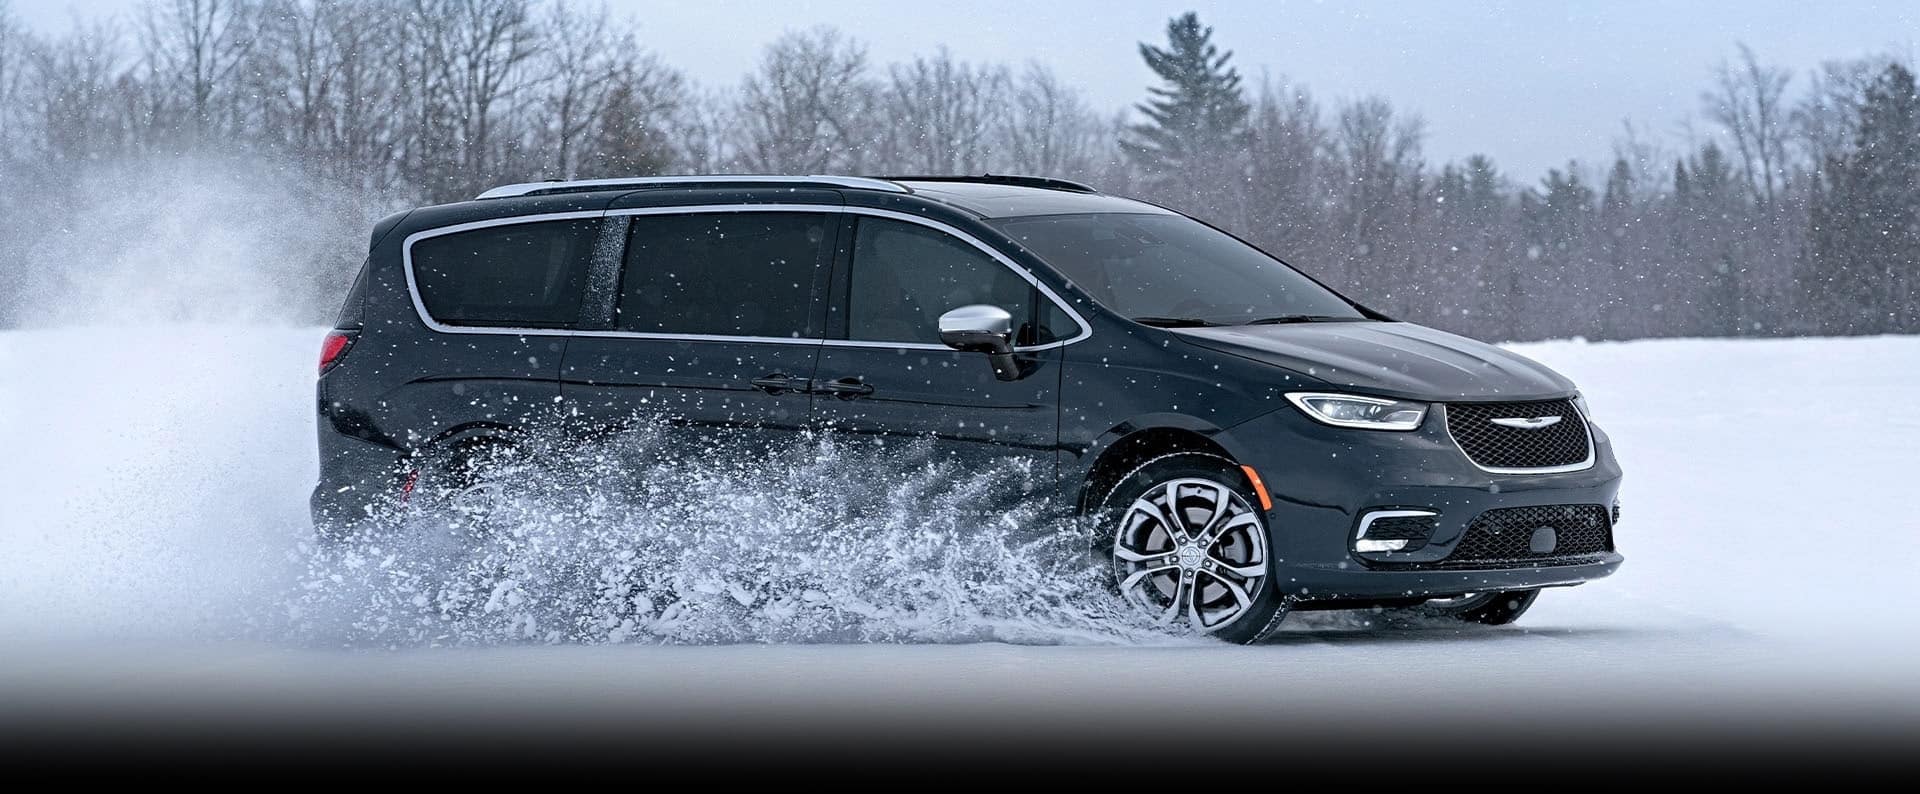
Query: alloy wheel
[1191,550]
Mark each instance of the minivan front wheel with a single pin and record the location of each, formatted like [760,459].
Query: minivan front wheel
[1493,608]
[1187,547]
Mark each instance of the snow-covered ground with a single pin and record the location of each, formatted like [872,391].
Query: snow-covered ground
[154,492]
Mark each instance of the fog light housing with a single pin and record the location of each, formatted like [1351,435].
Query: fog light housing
[1384,531]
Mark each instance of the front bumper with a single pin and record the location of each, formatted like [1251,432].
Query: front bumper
[1324,479]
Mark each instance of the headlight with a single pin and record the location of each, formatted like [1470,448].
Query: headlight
[1580,402]
[1370,413]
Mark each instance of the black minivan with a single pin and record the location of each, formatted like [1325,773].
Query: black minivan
[1245,440]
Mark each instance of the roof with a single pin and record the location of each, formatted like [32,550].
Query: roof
[987,196]
[996,200]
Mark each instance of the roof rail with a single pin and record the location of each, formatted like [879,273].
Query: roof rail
[1045,182]
[583,185]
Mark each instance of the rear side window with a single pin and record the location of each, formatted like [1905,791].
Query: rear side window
[521,275]
[728,274]
[906,275]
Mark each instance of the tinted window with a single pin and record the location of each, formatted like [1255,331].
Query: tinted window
[1169,266]
[526,275]
[734,274]
[906,275]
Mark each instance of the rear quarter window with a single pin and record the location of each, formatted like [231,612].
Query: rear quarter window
[520,275]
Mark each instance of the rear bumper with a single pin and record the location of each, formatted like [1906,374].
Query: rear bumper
[356,477]
[1325,479]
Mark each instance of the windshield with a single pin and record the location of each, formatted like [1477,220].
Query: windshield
[1173,270]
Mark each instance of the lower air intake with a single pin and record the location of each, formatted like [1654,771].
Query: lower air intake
[1523,536]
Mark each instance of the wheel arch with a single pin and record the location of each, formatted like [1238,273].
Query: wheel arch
[1127,445]
[469,435]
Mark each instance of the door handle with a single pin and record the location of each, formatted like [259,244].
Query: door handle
[780,383]
[847,388]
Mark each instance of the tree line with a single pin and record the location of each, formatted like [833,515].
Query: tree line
[1791,206]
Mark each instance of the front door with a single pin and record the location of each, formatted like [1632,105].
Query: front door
[886,383]
[715,332]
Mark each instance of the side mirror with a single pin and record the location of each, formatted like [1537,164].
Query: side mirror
[982,329]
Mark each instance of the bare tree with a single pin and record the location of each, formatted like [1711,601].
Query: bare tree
[322,77]
[706,125]
[363,33]
[1049,128]
[77,95]
[1649,163]
[1288,140]
[1748,100]
[194,47]
[400,101]
[797,111]
[638,129]
[12,41]
[1378,157]
[941,114]
[1827,118]
[578,67]
[463,73]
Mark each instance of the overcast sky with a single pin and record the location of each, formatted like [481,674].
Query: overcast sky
[1531,83]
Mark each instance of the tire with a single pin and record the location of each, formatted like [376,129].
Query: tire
[1221,581]
[1497,608]
[468,481]
[459,498]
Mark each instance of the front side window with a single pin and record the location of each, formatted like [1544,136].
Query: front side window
[906,275]
[1173,270]
[728,274]
[519,275]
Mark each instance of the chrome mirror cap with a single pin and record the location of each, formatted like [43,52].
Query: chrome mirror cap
[978,318]
[980,328]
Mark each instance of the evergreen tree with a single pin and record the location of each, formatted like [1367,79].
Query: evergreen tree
[628,140]
[1618,199]
[1484,194]
[1197,118]
[1709,274]
[1866,231]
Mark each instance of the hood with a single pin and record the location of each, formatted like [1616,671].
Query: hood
[1390,359]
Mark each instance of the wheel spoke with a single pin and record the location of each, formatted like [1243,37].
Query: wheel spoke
[1175,520]
[1243,570]
[1132,581]
[1241,598]
[1243,520]
[1182,596]
[1222,505]
[1148,558]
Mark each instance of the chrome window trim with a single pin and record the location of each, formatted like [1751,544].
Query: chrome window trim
[823,180]
[420,306]
[1593,452]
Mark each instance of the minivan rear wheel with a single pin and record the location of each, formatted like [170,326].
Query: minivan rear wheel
[470,480]
[1185,545]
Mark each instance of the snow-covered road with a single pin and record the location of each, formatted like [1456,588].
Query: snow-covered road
[155,483]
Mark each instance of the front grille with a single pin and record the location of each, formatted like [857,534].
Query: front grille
[1415,530]
[1505,537]
[1494,446]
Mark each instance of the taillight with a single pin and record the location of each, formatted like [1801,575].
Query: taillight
[334,348]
